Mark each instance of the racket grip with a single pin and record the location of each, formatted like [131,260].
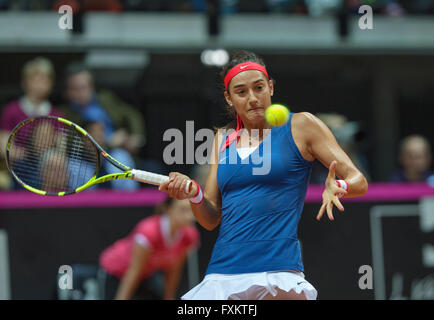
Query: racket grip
[148,177]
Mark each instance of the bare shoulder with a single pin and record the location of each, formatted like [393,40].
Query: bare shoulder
[309,124]
[302,119]
[302,124]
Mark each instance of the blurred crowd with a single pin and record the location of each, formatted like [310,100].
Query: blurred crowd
[159,244]
[117,126]
[413,161]
[120,128]
[304,7]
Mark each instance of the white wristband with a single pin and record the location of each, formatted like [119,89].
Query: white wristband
[199,197]
[342,184]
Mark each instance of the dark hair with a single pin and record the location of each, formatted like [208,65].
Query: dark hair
[235,58]
[74,68]
[238,57]
[86,124]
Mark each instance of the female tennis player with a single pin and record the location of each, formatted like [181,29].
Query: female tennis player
[160,242]
[257,254]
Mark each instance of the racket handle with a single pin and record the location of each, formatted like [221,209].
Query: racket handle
[148,177]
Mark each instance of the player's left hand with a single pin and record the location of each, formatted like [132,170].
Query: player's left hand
[330,194]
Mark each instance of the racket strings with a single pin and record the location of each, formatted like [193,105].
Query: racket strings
[27,162]
[52,156]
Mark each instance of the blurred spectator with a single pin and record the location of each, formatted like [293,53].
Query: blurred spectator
[346,133]
[164,5]
[159,243]
[287,6]
[29,5]
[415,158]
[418,6]
[97,131]
[393,9]
[199,5]
[182,6]
[323,7]
[256,6]
[124,125]
[54,171]
[90,5]
[4,4]
[389,7]
[313,7]
[37,83]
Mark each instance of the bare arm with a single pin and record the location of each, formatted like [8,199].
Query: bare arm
[320,144]
[172,277]
[323,146]
[131,280]
[208,212]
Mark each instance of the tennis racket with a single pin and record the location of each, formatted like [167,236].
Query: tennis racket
[53,156]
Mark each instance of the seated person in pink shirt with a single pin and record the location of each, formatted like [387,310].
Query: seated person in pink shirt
[160,242]
[37,83]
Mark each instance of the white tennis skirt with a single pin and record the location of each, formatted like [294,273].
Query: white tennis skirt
[250,286]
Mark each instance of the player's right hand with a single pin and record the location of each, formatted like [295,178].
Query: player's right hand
[176,186]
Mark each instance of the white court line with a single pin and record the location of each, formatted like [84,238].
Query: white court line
[5,288]
[376,213]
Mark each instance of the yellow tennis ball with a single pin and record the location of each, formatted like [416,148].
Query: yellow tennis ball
[277,114]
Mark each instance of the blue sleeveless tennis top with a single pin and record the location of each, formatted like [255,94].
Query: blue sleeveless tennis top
[261,208]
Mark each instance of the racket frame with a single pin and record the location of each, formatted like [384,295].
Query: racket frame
[126,174]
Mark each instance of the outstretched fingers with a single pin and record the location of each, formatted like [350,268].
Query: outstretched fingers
[321,212]
[338,204]
[328,207]
[330,210]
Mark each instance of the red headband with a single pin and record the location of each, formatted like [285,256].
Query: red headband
[232,73]
[243,67]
